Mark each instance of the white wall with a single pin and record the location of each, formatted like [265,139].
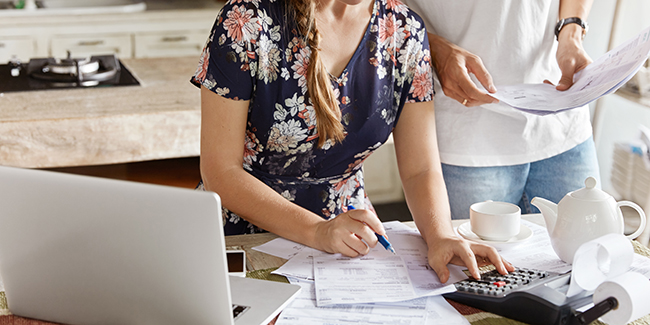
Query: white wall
[615,119]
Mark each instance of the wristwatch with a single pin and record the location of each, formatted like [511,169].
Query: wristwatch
[571,20]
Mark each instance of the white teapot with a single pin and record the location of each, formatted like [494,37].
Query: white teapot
[583,215]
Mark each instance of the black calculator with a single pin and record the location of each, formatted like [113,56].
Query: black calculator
[527,295]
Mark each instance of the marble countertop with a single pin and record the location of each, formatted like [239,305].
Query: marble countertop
[56,128]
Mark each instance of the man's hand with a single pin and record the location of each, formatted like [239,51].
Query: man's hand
[458,251]
[453,65]
[571,56]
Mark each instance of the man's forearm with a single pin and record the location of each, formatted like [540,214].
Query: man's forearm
[575,8]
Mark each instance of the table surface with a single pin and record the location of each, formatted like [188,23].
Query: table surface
[258,261]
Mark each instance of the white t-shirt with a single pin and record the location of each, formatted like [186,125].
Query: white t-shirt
[516,42]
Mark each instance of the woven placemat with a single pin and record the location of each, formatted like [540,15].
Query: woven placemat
[266,275]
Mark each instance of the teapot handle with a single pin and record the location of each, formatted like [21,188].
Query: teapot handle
[642,216]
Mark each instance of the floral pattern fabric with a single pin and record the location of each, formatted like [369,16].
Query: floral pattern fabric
[254,53]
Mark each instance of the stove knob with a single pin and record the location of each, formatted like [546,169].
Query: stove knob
[15,66]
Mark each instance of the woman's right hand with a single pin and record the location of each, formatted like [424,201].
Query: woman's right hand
[351,233]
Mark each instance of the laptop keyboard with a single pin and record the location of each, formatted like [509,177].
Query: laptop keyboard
[238,310]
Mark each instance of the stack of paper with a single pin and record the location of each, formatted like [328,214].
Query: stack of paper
[382,288]
[378,288]
[605,75]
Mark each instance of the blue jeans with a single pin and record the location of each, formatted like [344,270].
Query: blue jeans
[551,178]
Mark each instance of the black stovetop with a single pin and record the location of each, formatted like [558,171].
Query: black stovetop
[24,82]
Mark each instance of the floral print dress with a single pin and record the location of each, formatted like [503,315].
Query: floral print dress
[255,54]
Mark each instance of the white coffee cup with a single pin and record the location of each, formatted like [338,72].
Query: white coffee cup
[495,221]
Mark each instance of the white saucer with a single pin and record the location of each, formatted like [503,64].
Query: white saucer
[465,230]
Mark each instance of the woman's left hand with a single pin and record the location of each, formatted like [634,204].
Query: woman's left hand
[462,252]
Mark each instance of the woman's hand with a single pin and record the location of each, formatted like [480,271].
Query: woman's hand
[453,65]
[351,233]
[462,252]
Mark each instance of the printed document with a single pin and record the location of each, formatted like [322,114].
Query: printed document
[605,75]
[375,277]
[409,246]
[428,311]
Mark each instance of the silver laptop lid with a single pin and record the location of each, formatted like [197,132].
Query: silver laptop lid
[85,250]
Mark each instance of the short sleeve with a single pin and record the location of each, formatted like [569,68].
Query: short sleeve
[228,61]
[417,61]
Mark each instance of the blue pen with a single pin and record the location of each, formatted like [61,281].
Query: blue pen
[382,240]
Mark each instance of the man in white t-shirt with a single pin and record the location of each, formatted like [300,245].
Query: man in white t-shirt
[491,151]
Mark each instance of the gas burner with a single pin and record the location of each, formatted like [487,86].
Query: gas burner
[85,71]
[49,73]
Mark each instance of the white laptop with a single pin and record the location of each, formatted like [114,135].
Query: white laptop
[86,250]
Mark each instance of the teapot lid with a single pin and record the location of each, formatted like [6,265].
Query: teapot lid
[590,192]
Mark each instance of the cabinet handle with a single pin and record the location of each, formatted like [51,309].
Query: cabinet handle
[90,43]
[170,39]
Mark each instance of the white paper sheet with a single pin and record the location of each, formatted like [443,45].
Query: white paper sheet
[603,76]
[301,266]
[599,260]
[376,277]
[280,247]
[429,311]
[408,244]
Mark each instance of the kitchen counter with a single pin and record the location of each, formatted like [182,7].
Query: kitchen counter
[157,120]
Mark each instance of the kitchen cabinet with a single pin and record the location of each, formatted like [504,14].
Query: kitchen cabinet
[149,34]
[22,48]
[381,175]
[170,43]
[91,44]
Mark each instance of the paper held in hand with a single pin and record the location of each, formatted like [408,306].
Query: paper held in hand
[603,76]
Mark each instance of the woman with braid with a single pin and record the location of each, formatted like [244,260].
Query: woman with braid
[295,95]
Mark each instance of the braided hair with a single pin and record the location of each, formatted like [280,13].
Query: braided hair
[319,88]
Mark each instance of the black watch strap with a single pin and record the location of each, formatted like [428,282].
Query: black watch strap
[571,20]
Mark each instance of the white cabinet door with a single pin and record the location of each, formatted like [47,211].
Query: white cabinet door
[88,45]
[381,176]
[170,43]
[22,48]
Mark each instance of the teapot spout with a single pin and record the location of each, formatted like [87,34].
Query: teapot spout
[549,211]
